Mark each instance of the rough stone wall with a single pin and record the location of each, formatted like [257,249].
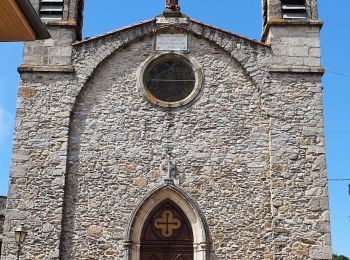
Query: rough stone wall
[295,47]
[38,164]
[274,119]
[299,183]
[56,51]
[297,164]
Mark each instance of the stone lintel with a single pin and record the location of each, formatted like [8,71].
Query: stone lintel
[284,22]
[296,69]
[67,23]
[57,68]
[62,23]
[294,22]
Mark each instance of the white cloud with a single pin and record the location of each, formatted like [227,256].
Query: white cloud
[6,122]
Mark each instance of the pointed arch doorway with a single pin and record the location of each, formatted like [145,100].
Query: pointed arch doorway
[167,234]
[187,211]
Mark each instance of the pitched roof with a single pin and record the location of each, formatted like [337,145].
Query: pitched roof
[89,39]
[230,33]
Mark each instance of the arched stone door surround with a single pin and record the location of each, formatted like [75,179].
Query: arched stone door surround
[201,241]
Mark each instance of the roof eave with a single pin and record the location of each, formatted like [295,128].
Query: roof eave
[33,19]
[231,33]
[153,20]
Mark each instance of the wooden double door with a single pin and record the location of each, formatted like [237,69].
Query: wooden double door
[167,234]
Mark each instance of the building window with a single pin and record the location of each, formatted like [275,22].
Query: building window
[293,9]
[170,80]
[51,10]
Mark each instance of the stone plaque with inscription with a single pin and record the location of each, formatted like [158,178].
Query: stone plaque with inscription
[172,42]
[171,20]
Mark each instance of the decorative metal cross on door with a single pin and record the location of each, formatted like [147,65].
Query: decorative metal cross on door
[167,223]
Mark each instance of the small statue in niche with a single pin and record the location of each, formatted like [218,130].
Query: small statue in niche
[172,5]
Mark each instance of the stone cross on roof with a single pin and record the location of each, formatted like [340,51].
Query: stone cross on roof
[172,6]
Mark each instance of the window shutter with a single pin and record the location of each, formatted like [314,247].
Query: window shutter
[294,9]
[51,9]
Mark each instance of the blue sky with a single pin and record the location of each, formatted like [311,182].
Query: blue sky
[242,17]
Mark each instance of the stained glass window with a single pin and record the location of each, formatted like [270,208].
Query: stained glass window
[170,80]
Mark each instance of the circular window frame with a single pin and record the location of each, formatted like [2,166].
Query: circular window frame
[146,93]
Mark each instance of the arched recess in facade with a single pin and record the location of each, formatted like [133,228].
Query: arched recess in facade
[201,240]
[86,69]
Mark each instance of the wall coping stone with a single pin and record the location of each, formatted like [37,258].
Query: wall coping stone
[56,68]
[64,23]
[296,69]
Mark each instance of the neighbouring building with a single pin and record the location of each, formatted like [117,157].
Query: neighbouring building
[20,22]
[171,139]
[2,218]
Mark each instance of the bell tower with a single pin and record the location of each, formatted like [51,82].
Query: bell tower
[45,63]
[64,21]
[292,28]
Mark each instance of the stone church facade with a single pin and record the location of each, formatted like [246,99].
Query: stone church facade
[171,139]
